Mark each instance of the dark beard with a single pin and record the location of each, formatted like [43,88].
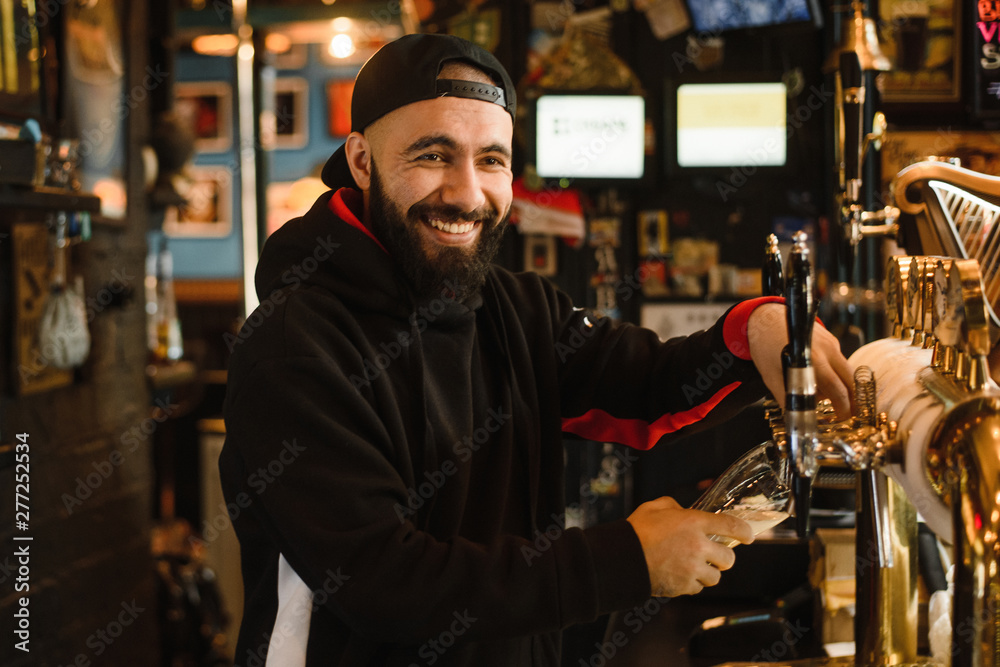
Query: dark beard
[445,268]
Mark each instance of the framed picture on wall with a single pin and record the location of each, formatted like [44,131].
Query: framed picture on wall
[291,112]
[540,254]
[207,109]
[654,237]
[209,208]
[94,77]
[338,106]
[924,41]
[22,76]
[978,151]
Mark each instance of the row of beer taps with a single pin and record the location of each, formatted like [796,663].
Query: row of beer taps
[807,430]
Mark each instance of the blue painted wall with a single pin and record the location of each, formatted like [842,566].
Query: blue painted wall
[211,257]
[222,257]
[289,165]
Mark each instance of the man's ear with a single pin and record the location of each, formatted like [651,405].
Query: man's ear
[359,159]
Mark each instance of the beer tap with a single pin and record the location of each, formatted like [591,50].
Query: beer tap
[800,380]
[942,456]
[772,274]
[865,443]
[853,91]
[860,53]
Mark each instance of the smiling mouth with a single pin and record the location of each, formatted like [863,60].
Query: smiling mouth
[451,227]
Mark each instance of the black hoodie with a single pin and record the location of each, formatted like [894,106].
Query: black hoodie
[392,464]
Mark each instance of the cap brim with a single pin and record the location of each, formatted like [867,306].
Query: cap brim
[336,174]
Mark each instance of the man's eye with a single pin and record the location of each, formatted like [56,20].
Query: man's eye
[430,157]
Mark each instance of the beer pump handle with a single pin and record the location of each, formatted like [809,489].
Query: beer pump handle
[852,103]
[800,382]
[801,303]
[772,277]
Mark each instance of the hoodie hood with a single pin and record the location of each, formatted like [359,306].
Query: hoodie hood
[330,248]
[321,250]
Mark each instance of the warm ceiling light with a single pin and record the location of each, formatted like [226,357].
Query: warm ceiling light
[329,2]
[341,46]
[342,24]
[215,45]
[277,42]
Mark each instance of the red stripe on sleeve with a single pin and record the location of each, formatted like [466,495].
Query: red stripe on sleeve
[343,202]
[734,329]
[601,426]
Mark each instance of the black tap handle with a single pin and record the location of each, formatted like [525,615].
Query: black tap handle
[852,85]
[800,382]
[772,278]
[801,304]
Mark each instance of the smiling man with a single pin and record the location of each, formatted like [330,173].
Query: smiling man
[426,393]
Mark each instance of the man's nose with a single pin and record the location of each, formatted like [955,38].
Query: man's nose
[462,187]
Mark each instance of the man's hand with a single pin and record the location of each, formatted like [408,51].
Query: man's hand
[679,554]
[767,333]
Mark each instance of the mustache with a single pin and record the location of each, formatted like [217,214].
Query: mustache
[485,214]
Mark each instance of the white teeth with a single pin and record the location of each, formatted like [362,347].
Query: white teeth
[451,227]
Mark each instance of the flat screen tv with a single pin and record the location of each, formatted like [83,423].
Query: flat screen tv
[724,15]
[588,138]
[728,124]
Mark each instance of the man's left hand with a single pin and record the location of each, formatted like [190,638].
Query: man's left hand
[767,334]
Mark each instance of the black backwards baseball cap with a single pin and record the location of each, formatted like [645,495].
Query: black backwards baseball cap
[406,71]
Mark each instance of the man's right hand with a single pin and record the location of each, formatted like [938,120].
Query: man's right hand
[681,557]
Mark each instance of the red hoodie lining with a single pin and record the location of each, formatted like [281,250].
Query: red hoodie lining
[343,203]
[599,425]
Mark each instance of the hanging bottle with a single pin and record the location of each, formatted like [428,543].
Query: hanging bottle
[152,301]
[170,345]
